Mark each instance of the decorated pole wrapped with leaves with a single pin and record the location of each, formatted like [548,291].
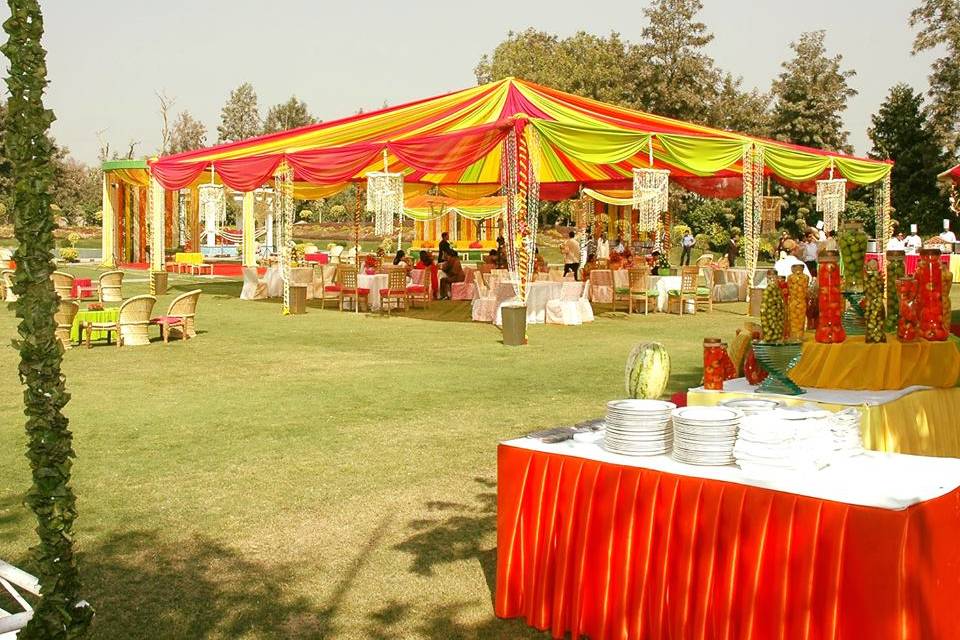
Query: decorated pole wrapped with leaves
[61,613]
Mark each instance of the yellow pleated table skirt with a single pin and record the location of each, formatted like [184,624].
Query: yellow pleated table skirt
[924,423]
[854,364]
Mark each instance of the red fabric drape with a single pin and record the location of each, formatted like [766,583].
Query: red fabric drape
[333,165]
[619,552]
[174,175]
[449,152]
[247,174]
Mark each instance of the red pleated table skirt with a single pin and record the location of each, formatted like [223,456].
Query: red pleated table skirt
[609,551]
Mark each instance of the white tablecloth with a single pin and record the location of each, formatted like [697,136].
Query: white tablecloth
[538,294]
[885,480]
[274,280]
[829,396]
[374,283]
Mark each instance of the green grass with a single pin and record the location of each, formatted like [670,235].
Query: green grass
[330,475]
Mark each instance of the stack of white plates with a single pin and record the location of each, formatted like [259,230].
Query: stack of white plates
[638,427]
[752,406]
[794,440]
[845,427]
[705,435]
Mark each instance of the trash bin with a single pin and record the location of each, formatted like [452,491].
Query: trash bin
[298,299]
[514,322]
[158,283]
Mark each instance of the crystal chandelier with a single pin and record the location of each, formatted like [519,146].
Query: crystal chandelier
[384,198]
[650,194]
[831,201]
[213,208]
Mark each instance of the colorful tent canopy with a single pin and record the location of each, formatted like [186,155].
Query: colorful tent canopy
[454,140]
[426,207]
[951,175]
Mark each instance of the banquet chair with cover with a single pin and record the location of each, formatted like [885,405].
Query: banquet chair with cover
[688,290]
[421,291]
[586,309]
[484,306]
[601,286]
[64,317]
[566,310]
[466,290]
[349,286]
[181,315]
[63,285]
[110,286]
[396,289]
[254,287]
[131,325]
[8,294]
[303,276]
[639,289]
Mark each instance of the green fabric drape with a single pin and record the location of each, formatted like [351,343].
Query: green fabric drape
[699,156]
[589,144]
[862,172]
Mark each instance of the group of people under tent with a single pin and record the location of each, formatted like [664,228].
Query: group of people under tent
[913,242]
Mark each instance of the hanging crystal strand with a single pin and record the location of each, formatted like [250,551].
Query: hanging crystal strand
[533,204]
[758,165]
[749,233]
[283,185]
[508,178]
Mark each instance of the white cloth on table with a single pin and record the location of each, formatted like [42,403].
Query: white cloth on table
[374,283]
[274,280]
[784,266]
[538,294]
[566,309]
[664,285]
[882,480]
[849,397]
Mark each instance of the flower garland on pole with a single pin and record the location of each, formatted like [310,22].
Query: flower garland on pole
[752,172]
[283,187]
[60,614]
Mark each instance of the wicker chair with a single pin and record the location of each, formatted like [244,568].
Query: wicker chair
[131,325]
[63,285]
[422,292]
[181,315]
[64,318]
[347,281]
[396,289]
[110,286]
[8,294]
[688,289]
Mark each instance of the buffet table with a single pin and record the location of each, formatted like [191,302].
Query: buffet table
[911,260]
[915,420]
[609,546]
[854,364]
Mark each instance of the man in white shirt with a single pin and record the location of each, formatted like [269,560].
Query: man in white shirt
[947,235]
[784,265]
[821,234]
[896,243]
[571,255]
[603,247]
[913,243]
[686,246]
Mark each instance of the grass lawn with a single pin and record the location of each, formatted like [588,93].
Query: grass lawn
[322,476]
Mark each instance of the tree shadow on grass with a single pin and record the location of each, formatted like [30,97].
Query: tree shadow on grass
[146,587]
[221,289]
[15,519]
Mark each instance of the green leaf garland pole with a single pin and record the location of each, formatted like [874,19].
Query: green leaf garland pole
[60,612]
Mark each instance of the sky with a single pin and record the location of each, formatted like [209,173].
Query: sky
[107,58]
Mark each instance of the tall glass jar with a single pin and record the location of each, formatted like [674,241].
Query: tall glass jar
[797,284]
[752,371]
[714,369]
[908,323]
[874,315]
[830,300]
[853,251]
[895,270]
[945,297]
[930,284]
[772,309]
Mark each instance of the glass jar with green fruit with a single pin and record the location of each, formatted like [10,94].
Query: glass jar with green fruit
[896,269]
[853,252]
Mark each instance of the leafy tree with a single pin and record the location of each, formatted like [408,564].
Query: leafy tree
[60,614]
[526,56]
[683,79]
[900,132]
[939,24]
[240,116]
[287,115]
[77,190]
[734,109]
[187,134]
[811,95]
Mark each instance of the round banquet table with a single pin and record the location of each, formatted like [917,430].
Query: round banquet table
[538,295]
[374,283]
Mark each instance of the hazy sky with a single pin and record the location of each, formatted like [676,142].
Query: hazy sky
[107,57]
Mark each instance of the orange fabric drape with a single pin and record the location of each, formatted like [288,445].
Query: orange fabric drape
[168,219]
[142,222]
[612,552]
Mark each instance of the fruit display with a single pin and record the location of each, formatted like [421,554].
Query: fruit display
[930,294]
[908,324]
[772,309]
[829,300]
[785,292]
[874,315]
[648,370]
[947,280]
[714,365]
[895,270]
[813,305]
[853,251]
[752,371]
[729,368]
[798,283]
[739,347]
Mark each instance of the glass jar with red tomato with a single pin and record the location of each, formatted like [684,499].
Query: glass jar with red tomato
[714,366]
[752,371]
[829,299]
[930,291]
[908,324]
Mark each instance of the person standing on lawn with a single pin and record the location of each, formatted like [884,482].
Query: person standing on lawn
[686,248]
[571,255]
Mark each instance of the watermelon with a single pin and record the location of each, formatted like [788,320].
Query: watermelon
[647,371]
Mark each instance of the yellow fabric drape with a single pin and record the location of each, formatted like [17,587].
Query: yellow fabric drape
[923,423]
[468,191]
[854,364]
[955,267]
[133,177]
[108,223]
[611,197]
[249,231]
